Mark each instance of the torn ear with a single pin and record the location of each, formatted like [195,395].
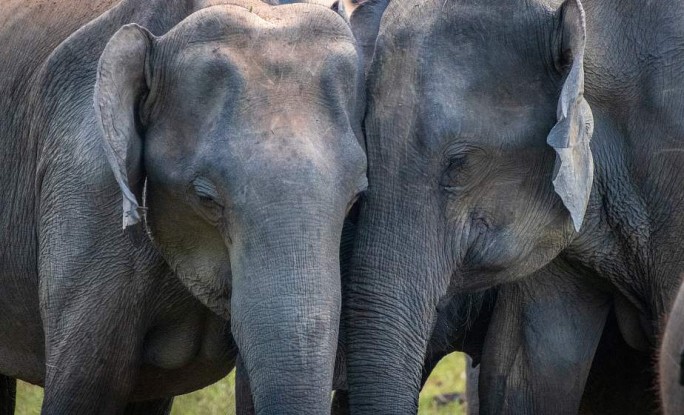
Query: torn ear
[119,90]
[570,137]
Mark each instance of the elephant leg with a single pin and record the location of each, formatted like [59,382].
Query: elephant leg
[541,343]
[8,392]
[94,335]
[92,362]
[155,407]
[99,292]
[472,381]
[617,388]
[244,404]
[340,404]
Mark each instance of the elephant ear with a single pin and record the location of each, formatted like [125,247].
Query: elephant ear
[570,137]
[365,24]
[120,87]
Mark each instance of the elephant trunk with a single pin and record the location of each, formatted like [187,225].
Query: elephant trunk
[391,296]
[285,311]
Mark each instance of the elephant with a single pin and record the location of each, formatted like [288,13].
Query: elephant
[225,136]
[533,146]
[671,360]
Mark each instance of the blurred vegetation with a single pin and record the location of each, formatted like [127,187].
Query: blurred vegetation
[440,396]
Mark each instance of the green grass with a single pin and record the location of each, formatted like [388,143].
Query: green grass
[447,378]
[219,399]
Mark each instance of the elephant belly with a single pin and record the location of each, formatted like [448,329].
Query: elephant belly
[186,354]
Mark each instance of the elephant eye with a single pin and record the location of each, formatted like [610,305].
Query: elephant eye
[205,189]
[456,175]
[465,166]
[208,198]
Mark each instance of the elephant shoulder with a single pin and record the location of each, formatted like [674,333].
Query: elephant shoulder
[31,30]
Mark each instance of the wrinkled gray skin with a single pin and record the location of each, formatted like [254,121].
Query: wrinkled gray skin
[242,123]
[612,387]
[479,174]
[671,360]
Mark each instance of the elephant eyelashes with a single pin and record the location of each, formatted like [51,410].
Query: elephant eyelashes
[465,165]
[208,197]
[208,200]
[456,175]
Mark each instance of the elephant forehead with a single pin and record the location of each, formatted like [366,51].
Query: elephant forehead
[464,103]
[244,23]
[285,48]
[451,99]
[270,57]
[465,73]
[210,78]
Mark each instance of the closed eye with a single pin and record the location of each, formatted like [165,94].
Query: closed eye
[455,175]
[464,169]
[207,203]
[206,191]
[204,198]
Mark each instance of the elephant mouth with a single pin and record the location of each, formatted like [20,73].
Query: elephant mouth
[213,291]
[487,262]
[474,280]
[483,253]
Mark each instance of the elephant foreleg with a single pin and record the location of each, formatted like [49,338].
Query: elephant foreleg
[155,407]
[99,293]
[541,343]
[614,387]
[8,391]
[90,367]
[93,343]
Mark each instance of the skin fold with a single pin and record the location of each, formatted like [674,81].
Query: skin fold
[529,143]
[232,141]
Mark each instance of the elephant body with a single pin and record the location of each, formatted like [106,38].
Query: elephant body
[102,316]
[530,145]
[61,264]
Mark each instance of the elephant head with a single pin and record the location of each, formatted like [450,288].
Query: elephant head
[239,131]
[480,170]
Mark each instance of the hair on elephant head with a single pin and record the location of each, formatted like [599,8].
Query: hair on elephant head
[243,123]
